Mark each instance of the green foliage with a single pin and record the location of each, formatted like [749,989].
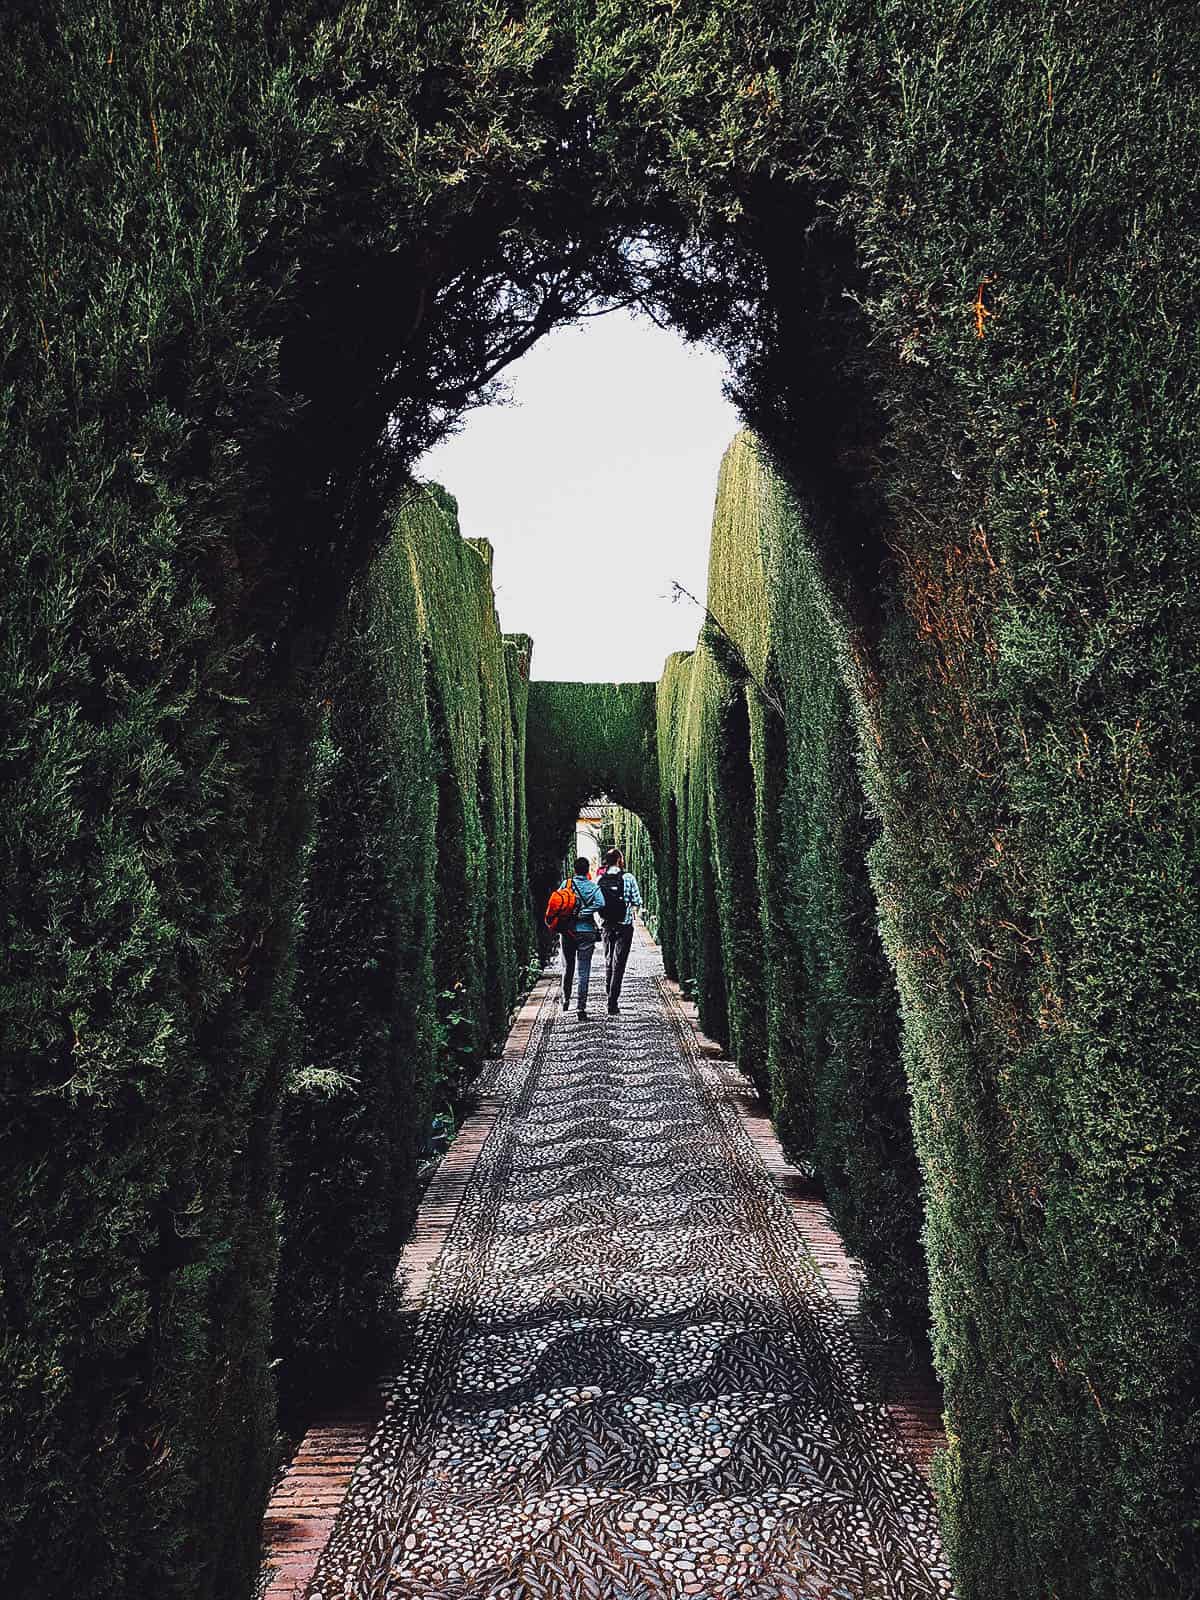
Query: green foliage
[842,1097]
[417,829]
[257,258]
[475,739]
[692,942]
[757,719]
[154,763]
[1023,676]
[518,655]
[358,1098]
[584,740]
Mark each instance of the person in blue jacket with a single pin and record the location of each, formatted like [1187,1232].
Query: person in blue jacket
[579,942]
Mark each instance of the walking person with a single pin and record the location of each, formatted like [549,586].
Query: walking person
[579,936]
[621,895]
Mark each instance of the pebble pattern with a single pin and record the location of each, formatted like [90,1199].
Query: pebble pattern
[629,1381]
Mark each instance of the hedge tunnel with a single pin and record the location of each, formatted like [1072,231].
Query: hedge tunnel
[257,259]
[584,740]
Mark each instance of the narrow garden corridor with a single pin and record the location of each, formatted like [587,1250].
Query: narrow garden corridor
[353,546]
[628,1377]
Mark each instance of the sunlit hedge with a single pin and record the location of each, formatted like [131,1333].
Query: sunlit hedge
[381,1045]
[764,814]
[636,843]
[518,656]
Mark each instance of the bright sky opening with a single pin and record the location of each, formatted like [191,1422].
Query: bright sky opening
[598,475]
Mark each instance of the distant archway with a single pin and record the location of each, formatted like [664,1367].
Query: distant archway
[583,740]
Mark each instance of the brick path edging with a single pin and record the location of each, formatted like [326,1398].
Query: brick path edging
[307,1498]
[306,1501]
[913,1399]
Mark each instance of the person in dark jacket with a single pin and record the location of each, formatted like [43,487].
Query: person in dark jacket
[579,942]
[618,936]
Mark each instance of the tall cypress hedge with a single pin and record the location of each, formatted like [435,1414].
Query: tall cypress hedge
[155,763]
[1013,582]
[815,661]
[475,738]
[518,657]
[757,719]
[357,1098]
[636,843]
[842,1092]
[377,1050]
[693,946]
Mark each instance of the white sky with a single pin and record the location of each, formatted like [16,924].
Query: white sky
[604,461]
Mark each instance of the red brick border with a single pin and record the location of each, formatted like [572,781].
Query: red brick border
[912,1395]
[307,1498]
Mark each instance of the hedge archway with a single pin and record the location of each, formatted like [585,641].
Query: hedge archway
[584,740]
[259,258]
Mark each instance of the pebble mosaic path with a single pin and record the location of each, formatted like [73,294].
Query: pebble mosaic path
[628,1379]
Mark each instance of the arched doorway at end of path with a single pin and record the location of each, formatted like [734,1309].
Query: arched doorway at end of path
[583,741]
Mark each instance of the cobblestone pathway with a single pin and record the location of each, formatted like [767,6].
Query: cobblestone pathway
[629,1381]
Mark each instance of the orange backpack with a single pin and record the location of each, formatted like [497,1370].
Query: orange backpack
[562,907]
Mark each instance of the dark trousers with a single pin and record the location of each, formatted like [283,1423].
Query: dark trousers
[617,942]
[577,945]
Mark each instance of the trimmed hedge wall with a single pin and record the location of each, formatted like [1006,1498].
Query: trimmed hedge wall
[634,840]
[380,1044]
[691,933]
[155,756]
[848,1104]
[1003,507]
[154,1419]
[583,740]
[518,649]
[790,973]
[1006,1315]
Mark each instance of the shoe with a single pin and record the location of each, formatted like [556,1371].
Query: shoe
[582,1015]
[614,1011]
